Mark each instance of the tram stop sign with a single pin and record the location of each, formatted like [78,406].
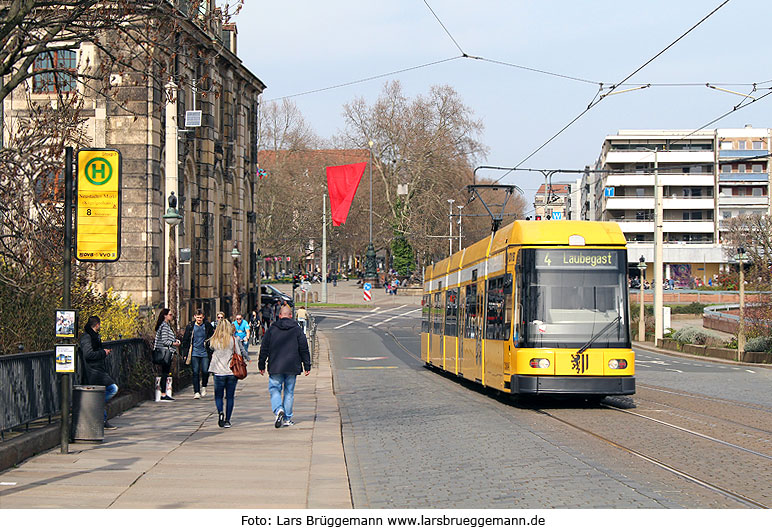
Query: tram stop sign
[98,206]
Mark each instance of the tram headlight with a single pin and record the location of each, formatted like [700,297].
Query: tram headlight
[615,363]
[541,363]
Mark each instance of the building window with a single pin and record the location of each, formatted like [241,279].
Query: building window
[727,215]
[55,71]
[726,168]
[639,192]
[726,145]
[741,168]
[741,191]
[758,191]
[740,144]
[756,168]
[757,145]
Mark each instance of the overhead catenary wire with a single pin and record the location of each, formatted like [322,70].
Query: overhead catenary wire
[597,99]
[363,80]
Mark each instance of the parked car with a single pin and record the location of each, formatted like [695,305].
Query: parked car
[271,294]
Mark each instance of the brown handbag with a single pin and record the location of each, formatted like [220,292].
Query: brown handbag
[237,365]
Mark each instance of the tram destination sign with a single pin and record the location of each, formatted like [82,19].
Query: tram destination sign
[586,259]
[98,206]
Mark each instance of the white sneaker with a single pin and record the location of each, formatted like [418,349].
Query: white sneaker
[203,391]
[279,418]
[196,395]
[288,423]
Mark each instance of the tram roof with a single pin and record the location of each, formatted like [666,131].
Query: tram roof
[530,233]
[558,232]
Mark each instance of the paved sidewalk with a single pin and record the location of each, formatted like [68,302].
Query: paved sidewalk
[173,455]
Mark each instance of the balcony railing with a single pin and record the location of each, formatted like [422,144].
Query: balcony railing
[744,176]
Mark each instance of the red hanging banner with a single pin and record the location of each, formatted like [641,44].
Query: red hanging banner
[342,184]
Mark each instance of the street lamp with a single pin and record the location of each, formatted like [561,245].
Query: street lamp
[641,314]
[172,219]
[236,299]
[459,207]
[370,255]
[741,328]
[450,223]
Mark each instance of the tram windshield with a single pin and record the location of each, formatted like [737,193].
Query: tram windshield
[569,296]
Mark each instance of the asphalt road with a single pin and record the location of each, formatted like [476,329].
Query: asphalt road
[415,438]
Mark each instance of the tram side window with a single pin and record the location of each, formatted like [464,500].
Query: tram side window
[437,312]
[471,311]
[451,312]
[425,313]
[494,327]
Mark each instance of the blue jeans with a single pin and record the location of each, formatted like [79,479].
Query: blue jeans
[275,384]
[200,366]
[227,384]
[110,392]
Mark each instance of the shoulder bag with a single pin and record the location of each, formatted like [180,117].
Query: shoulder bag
[163,355]
[237,365]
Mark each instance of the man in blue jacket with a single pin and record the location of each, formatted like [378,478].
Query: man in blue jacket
[285,348]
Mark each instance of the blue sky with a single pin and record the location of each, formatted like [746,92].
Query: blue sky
[298,46]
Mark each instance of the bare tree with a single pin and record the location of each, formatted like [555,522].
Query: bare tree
[135,39]
[429,144]
[753,232]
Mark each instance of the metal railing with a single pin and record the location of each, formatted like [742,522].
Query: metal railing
[30,389]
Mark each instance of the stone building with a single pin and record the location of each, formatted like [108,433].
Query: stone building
[216,167]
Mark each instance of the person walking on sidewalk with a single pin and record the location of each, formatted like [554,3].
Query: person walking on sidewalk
[164,338]
[285,348]
[94,358]
[224,343]
[194,340]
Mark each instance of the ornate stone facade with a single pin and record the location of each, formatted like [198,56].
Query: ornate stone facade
[217,166]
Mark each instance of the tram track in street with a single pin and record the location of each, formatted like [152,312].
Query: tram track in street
[671,464]
[672,469]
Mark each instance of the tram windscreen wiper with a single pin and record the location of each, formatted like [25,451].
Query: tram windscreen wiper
[599,334]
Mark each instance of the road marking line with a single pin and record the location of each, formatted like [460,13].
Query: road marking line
[676,370]
[750,371]
[395,317]
[367,316]
[366,359]
[376,308]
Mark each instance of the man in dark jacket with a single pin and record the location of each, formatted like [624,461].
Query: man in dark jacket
[194,343]
[94,358]
[285,348]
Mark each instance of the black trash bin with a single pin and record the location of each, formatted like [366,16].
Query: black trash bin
[88,411]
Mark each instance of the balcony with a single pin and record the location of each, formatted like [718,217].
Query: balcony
[665,179]
[737,154]
[639,157]
[742,177]
[668,226]
[669,202]
[743,201]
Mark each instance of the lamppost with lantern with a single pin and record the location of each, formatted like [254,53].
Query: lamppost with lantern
[172,219]
[641,313]
[235,298]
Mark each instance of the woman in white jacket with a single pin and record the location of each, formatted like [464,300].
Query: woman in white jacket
[224,343]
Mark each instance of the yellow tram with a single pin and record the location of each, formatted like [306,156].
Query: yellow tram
[539,307]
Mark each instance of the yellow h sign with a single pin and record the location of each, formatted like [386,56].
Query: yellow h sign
[98,218]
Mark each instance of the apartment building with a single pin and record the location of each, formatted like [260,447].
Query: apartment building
[706,176]
[552,205]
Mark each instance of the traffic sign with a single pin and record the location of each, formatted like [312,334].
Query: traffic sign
[367,287]
[367,295]
[98,206]
[557,215]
